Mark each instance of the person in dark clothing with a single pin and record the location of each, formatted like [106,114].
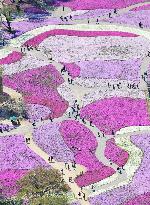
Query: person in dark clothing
[140,25]
[78,107]
[83,121]
[28,140]
[34,124]
[109,85]
[63,69]
[62,18]
[1,130]
[66,18]
[110,15]
[51,119]
[115,11]
[91,124]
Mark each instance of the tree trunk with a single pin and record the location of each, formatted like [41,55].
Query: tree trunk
[8,25]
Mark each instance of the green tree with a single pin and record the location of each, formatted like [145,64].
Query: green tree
[50,200]
[11,202]
[8,11]
[43,185]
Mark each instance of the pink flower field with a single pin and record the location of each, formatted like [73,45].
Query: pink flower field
[116,112]
[137,191]
[115,153]
[73,69]
[95,61]
[104,4]
[81,141]
[39,86]
[121,70]
[39,38]
[145,7]
[8,179]
[11,58]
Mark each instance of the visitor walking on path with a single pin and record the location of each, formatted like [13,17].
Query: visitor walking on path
[115,11]
[140,25]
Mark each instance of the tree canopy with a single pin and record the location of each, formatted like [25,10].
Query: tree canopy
[44,186]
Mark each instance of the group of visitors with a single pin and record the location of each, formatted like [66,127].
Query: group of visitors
[15,121]
[28,48]
[63,70]
[66,18]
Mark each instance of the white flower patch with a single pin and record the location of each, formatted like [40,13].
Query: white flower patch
[74,49]
[101,94]
[36,112]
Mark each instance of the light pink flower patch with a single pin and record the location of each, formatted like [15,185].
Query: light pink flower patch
[36,112]
[11,58]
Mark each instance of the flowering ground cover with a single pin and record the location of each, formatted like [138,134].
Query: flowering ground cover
[16,155]
[26,25]
[145,7]
[93,14]
[83,143]
[104,4]
[116,154]
[140,199]
[73,49]
[16,160]
[138,186]
[11,58]
[111,69]
[49,139]
[39,86]
[133,18]
[39,38]
[35,112]
[6,127]
[73,69]
[115,113]
[8,179]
